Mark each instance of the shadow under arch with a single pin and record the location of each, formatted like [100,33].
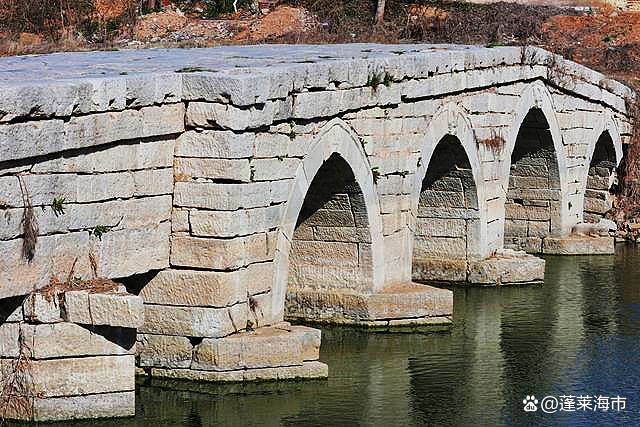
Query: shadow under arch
[534,174]
[335,147]
[603,157]
[448,215]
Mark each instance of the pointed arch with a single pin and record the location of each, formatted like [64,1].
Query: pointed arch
[450,123]
[335,138]
[536,100]
[603,156]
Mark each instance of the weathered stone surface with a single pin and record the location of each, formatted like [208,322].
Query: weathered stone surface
[234,223]
[307,370]
[207,322]
[130,213]
[22,140]
[164,351]
[76,307]
[222,254]
[116,310]
[155,154]
[118,257]
[85,375]
[111,309]
[207,288]
[279,345]
[103,405]
[507,267]
[204,114]
[187,321]
[425,269]
[578,245]
[396,302]
[9,344]
[40,308]
[215,144]
[187,169]
[229,196]
[70,340]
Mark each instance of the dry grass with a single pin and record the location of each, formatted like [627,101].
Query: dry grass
[29,225]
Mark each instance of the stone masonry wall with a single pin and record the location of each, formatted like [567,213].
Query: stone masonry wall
[602,167]
[103,149]
[448,219]
[532,208]
[68,354]
[331,245]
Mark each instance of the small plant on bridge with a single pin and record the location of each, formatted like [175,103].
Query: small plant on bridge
[99,230]
[195,70]
[57,205]
[374,81]
[375,171]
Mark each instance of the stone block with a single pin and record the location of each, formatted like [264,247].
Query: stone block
[427,269]
[41,308]
[307,370]
[216,196]
[103,405]
[340,234]
[187,321]
[280,345]
[533,213]
[207,288]
[446,199]
[117,257]
[538,228]
[163,120]
[187,169]
[58,340]
[440,247]
[80,376]
[274,169]
[532,245]
[222,254]
[9,343]
[234,223]
[76,307]
[578,245]
[153,88]
[402,301]
[512,268]
[30,139]
[154,154]
[114,309]
[164,351]
[204,114]
[327,253]
[331,218]
[215,144]
[516,227]
[439,227]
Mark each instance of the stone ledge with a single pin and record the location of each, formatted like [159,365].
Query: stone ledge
[507,267]
[409,302]
[578,245]
[308,370]
[104,405]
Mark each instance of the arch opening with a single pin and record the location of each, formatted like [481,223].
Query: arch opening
[601,180]
[331,244]
[448,216]
[532,207]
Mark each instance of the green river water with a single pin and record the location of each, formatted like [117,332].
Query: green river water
[576,335]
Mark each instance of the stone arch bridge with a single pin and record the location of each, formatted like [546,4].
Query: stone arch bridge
[231,187]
